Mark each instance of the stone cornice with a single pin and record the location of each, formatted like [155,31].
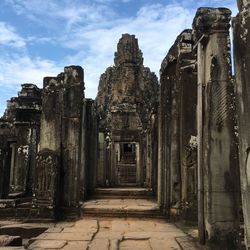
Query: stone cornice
[211,20]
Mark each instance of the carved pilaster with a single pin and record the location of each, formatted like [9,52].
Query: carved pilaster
[45,197]
[218,195]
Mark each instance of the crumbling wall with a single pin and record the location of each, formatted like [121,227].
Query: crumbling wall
[19,138]
[217,144]
[241,27]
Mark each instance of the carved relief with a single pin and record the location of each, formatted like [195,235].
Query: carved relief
[46,178]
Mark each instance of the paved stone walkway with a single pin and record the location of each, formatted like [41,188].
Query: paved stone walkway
[102,234]
[110,234]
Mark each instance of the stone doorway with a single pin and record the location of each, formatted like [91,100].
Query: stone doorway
[126,164]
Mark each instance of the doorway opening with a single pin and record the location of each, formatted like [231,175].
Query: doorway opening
[126,164]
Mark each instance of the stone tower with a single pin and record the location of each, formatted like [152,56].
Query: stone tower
[126,104]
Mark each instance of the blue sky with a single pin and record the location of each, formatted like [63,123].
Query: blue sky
[39,37]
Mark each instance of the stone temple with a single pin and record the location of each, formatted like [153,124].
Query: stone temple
[182,142]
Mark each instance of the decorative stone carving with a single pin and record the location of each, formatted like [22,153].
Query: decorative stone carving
[127,97]
[217,144]
[46,180]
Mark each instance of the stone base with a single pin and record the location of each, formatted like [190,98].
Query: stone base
[42,214]
[9,203]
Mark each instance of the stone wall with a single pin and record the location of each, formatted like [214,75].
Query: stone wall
[19,138]
[61,140]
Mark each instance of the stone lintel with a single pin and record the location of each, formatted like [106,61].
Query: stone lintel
[19,124]
[211,20]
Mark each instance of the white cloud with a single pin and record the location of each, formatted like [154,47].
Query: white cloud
[20,69]
[155,26]
[93,31]
[9,37]
[52,13]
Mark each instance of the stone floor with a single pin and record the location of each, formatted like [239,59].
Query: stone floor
[109,234]
[96,232]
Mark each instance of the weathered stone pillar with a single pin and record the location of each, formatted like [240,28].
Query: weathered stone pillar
[89,154]
[73,96]
[154,150]
[61,142]
[18,174]
[176,121]
[187,77]
[217,147]
[169,164]
[46,195]
[5,160]
[242,75]
[51,119]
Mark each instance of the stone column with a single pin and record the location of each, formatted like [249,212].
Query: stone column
[162,178]
[90,146]
[217,160]
[176,120]
[5,161]
[154,151]
[46,195]
[51,119]
[168,161]
[20,167]
[73,97]
[187,77]
[242,74]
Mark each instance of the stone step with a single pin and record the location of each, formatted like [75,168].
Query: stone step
[121,213]
[128,193]
[139,208]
